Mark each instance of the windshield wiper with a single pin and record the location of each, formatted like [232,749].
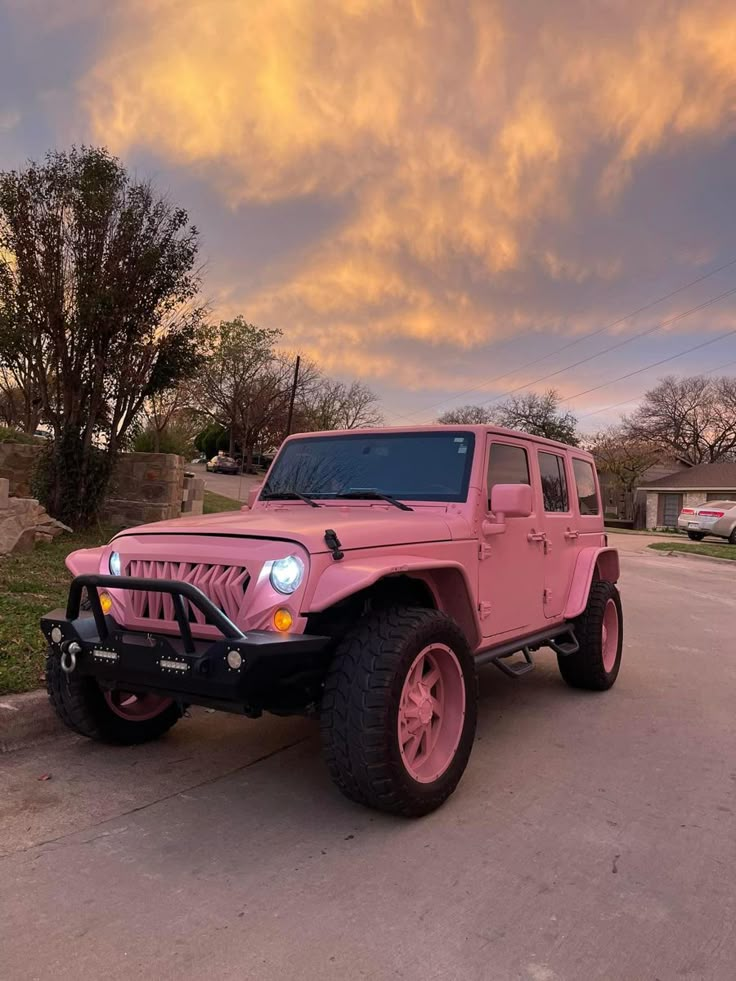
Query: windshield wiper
[290,496]
[359,493]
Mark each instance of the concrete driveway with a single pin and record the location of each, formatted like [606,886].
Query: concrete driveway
[591,838]
[639,542]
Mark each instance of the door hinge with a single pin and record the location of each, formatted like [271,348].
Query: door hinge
[484,550]
[548,596]
[485,610]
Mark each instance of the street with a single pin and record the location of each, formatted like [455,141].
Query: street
[592,836]
[229,485]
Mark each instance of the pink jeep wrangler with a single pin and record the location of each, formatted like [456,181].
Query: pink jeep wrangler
[372,574]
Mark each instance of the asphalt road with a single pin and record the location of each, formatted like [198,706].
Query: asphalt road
[591,838]
[235,486]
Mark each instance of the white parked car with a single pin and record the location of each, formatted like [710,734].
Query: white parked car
[716,518]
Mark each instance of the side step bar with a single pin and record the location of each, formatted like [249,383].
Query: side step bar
[562,641]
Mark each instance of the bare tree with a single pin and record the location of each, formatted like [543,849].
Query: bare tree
[539,415]
[173,407]
[20,398]
[624,458]
[467,415]
[693,417]
[240,357]
[337,405]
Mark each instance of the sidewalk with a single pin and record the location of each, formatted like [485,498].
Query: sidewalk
[639,543]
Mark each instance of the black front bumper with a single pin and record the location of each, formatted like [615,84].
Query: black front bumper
[237,672]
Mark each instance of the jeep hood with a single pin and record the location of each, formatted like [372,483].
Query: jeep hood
[356,527]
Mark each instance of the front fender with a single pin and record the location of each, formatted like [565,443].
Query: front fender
[342,579]
[85,560]
[600,562]
[447,580]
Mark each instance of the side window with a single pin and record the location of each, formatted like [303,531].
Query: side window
[585,486]
[554,482]
[507,464]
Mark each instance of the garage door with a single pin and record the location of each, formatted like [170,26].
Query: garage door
[672,505]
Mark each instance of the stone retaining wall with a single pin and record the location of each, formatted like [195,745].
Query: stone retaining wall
[192,497]
[17,463]
[145,487]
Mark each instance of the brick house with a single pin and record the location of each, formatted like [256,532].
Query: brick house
[667,496]
[626,509]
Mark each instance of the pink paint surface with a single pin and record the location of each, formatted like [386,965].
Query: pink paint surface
[499,576]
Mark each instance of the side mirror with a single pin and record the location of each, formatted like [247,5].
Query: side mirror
[253,494]
[508,501]
[511,501]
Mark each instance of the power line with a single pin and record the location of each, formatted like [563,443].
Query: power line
[655,364]
[577,340]
[616,405]
[613,347]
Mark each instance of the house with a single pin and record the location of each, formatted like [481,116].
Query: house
[667,496]
[625,508]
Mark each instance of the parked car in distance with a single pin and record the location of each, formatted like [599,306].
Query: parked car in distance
[262,460]
[223,464]
[717,518]
[372,574]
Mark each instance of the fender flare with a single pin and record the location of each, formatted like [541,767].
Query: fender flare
[599,562]
[85,560]
[442,576]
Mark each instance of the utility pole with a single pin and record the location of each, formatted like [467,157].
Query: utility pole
[293,395]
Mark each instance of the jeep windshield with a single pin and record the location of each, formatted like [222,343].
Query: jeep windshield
[431,466]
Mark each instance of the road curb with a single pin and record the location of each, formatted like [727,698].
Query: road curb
[26,719]
[691,555]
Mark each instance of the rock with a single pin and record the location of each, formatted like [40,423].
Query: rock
[23,522]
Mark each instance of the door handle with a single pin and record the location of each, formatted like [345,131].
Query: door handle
[536,536]
[571,535]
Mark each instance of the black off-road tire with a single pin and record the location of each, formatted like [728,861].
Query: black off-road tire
[360,705]
[696,536]
[80,704]
[586,669]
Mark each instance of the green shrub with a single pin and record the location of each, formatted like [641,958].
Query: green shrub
[172,440]
[15,436]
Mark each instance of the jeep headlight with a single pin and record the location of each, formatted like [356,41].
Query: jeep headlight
[116,566]
[287,574]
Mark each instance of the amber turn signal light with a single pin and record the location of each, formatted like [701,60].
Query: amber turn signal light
[282,620]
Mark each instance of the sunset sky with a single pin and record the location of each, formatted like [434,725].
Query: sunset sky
[426,194]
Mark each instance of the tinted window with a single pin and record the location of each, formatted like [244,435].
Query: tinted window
[410,466]
[554,482]
[585,484]
[507,465]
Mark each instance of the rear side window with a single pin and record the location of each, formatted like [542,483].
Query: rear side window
[585,486]
[554,482]
[507,465]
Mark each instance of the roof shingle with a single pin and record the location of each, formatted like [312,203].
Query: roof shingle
[705,476]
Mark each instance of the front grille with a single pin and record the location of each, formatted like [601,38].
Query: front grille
[224,585]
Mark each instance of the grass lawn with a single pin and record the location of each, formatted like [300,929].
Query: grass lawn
[31,584]
[631,531]
[34,583]
[698,548]
[216,502]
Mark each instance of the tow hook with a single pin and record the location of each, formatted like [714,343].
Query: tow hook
[69,653]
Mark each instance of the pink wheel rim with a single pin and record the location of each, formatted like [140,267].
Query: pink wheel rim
[609,636]
[136,708]
[431,713]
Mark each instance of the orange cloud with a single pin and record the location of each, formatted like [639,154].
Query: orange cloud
[450,135]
